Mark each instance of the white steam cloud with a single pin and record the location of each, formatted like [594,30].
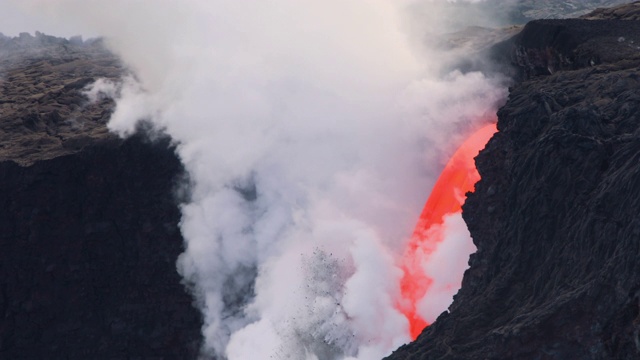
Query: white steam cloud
[312,132]
[444,266]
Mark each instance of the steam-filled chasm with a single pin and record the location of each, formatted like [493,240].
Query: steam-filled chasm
[311,143]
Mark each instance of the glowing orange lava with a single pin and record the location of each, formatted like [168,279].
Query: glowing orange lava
[458,177]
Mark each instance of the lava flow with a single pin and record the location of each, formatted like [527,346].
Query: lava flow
[458,177]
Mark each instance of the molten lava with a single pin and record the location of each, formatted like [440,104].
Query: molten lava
[458,177]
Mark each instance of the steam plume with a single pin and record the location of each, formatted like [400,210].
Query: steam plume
[312,132]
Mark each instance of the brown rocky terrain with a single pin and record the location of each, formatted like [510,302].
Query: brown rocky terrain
[43,113]
[88,222]
[554,218]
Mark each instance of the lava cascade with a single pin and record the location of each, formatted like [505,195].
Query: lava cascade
[458,177]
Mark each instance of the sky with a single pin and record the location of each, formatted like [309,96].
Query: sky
[15,19]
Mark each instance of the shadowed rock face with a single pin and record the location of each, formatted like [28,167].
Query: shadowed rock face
[88,223]
[555,216]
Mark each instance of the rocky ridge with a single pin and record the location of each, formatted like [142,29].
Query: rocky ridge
[621,12]
[552,9]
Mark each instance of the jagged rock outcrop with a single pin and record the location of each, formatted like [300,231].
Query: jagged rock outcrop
[547,46]
[88,222]
[555,216]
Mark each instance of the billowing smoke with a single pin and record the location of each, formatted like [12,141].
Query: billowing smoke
[444,267]
[312,132]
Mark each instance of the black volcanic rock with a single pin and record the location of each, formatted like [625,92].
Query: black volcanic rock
[555,216]
[88,222]
[546,46]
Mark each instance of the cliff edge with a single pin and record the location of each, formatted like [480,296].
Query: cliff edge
[88,222]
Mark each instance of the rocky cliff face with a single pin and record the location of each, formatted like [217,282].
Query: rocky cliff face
[555,216]
[88,223]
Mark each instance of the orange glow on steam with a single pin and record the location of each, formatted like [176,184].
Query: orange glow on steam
[458,177]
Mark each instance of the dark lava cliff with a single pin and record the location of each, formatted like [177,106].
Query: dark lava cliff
[555,216]
[88,222]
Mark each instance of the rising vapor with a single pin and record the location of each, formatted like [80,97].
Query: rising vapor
[311,132]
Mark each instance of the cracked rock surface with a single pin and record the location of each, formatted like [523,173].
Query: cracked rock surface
[43,112]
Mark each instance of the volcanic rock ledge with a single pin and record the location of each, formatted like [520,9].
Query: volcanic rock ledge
[555,216]
[88,222]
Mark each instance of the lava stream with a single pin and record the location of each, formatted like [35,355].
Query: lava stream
[458,177]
